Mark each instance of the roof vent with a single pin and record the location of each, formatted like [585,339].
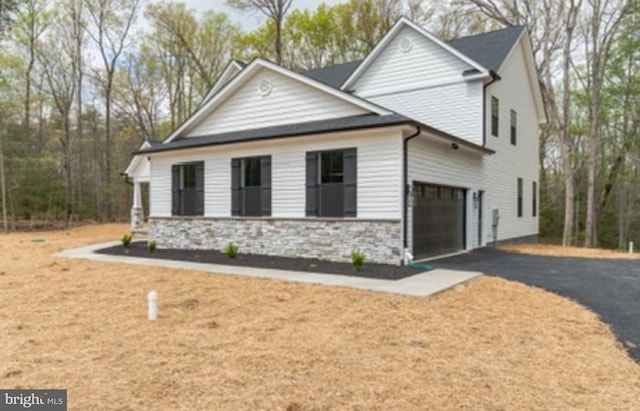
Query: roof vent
[264,87]
[406,44]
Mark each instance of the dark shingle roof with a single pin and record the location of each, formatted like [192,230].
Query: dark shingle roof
[287,130]
[488,49]
[333,76]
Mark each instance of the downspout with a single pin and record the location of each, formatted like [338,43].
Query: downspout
[407,257]
[494,77]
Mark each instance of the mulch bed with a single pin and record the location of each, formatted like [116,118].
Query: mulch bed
[369,270]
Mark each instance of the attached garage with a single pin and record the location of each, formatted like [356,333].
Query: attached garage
[438,220]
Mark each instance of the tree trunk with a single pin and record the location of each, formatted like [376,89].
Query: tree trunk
[608,188]
[3,188]
[106,178]
[569,194]
[594,134]
[278,41]
[67,171]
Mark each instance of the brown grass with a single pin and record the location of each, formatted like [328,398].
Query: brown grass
[556,250]
[234,343]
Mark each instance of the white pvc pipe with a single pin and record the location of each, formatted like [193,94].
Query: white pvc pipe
[153,305]
[630,247]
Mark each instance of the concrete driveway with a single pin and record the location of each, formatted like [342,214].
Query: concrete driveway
[611,288]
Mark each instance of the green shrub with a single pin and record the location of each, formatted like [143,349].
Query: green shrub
[357,259]
[231,250]
[126,240]
[152,246]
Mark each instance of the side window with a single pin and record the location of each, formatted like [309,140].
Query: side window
[495,110]
[519,197]
[187,182]
[534,196]
[514,129]
[331,188]
[251,186]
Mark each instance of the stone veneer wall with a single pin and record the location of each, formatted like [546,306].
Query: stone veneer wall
[326,239]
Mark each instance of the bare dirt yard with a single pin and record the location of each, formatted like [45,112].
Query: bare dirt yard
[234,343]
[559,251]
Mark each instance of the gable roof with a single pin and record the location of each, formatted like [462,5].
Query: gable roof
[335,75]
[252,68]
[489,49]
[382,45]
[233,68]
[136,161]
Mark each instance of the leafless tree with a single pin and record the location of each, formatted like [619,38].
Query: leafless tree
[552,26]
[600,28]
[275,10]
[110,22]
[55,60]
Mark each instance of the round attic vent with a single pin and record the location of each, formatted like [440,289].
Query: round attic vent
[264,87]
[406,44]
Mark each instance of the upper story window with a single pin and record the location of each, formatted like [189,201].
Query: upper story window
[519,197]
[187,186]
[514,128]
[331,183]
[495,109]
[251,186]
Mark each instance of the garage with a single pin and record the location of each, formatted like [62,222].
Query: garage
[438,220]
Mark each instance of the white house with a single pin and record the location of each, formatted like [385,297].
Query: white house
[423,148]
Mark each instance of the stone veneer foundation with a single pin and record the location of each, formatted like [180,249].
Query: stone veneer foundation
[327,239]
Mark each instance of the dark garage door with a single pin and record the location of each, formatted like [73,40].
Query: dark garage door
[438,220]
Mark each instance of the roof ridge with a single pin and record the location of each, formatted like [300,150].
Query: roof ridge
[517,26]
[331,66]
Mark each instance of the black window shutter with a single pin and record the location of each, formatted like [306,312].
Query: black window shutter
[200,188]
[312,184]
[350,183]
[175,189]
[235,186]
[265,186]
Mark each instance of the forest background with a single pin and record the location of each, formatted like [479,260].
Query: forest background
[83,83]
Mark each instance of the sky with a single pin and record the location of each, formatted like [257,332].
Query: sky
[250,21]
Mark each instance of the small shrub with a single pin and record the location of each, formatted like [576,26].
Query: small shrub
[357,259]
[152,246]
[231,250]
[126,240]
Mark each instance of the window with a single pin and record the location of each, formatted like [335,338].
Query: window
[519,197]
[331,167]
[331,183]
[187,189]
[495,108]
[251,172]
[514,120]
[534,196]
[251,186]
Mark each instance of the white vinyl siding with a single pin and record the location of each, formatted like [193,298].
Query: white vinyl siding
[433,161]
[453,108]
[511,161]
[289,102]
[395,70]
[426,84]
[378,168]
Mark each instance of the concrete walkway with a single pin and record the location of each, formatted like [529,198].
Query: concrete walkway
[424,284]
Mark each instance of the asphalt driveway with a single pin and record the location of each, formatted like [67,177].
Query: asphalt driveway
[608,287]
